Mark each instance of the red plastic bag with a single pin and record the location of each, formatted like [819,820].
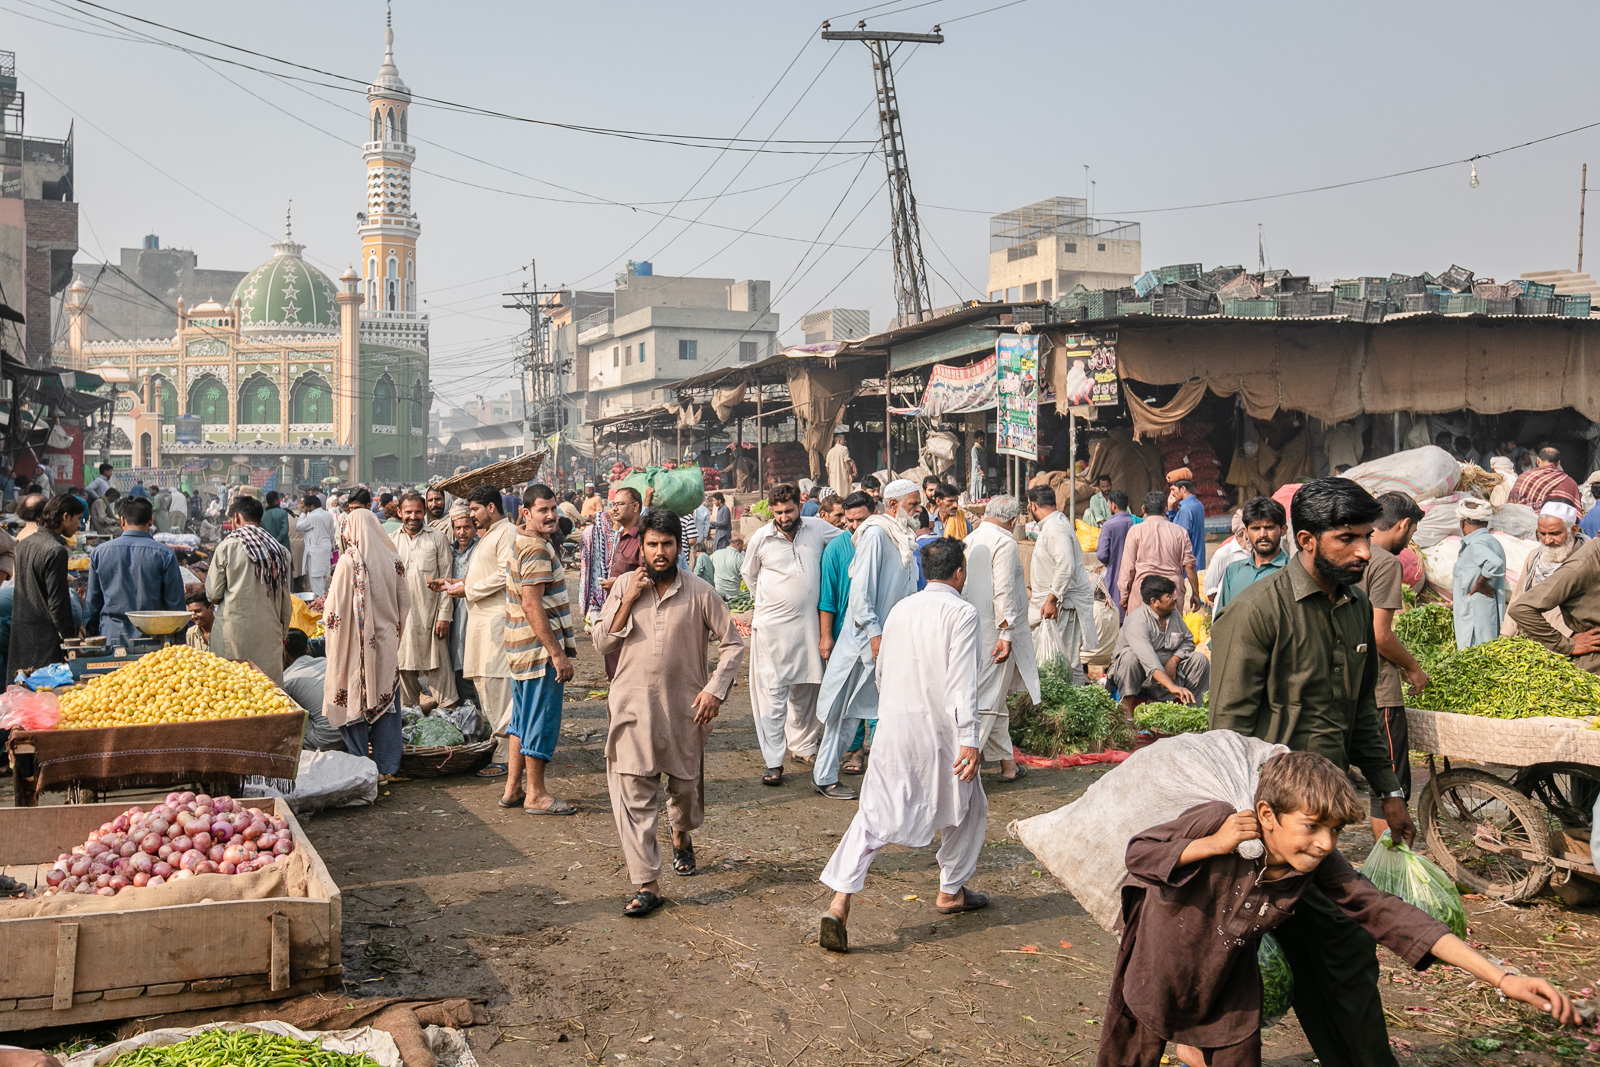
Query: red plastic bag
[23,709]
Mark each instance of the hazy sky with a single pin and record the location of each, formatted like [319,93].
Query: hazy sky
[1169,105]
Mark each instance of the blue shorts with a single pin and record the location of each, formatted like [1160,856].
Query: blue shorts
[536,714]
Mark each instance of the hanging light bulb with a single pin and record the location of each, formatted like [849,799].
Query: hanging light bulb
[1472,179]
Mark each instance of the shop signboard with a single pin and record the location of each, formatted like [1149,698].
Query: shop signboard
[1017,422]
[1091,379]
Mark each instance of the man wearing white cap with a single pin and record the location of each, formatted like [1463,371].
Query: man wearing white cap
[883,572]
[1479,578]
[1559,538]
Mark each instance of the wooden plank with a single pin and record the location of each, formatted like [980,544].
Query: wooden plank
[35,1013]
[28,874]
[280,952]
[66,964]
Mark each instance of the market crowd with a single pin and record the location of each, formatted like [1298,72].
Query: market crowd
[883,625]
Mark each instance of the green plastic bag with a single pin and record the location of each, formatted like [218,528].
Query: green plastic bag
[1394,868]
[679,491]
[432,732]
[1277,980]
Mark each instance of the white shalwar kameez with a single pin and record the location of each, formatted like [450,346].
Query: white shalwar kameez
[785,578]
[928,676]
[880,577]
[1057,566]
[998,589]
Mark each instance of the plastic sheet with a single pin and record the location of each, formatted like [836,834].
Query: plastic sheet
[23,709]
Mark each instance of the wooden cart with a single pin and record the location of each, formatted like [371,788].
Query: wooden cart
[77,968]
[1508,836]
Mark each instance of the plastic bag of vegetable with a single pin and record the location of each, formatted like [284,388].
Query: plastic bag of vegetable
[1277,980]
[1394,868]
[434,732]
[680,491]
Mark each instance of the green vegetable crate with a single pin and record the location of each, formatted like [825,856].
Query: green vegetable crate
[81,967]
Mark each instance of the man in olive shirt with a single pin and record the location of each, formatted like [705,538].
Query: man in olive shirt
[1294,662]
[1382,584]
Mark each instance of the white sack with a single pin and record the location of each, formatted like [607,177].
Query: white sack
[1084,844]
[325,780]
[1420,473]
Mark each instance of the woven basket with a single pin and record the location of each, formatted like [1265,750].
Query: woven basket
[506,472]
[440,760]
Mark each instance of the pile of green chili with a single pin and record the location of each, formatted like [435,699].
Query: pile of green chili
[1510,678]
[239,1048]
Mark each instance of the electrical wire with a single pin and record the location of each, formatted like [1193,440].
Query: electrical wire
[360,85]
[985,11]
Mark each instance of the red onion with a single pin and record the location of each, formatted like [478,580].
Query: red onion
[202,840]
[221,831]
[185,797]
[284,846]
[178,876]
[156,879]
[141,861]
[165,851]
[150,843]
[266,841]
[161,869]
[141,878]
[127,848]
[119,882]
[105,891]
[159,825]
[214,853]
[95,848]
[182,843]
[101,881]
[227,868]
[174,798]
[56,877]
[255,830]
[205,867]
[191,859]
[80,866]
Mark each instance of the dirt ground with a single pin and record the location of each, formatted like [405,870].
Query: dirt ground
[447,894]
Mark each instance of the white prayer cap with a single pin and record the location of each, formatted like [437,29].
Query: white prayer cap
[1563,511]
[900,487]
[1474,509]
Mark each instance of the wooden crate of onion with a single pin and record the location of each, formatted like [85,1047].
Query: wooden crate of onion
[259,921]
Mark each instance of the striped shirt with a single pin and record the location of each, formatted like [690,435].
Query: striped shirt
[536,562]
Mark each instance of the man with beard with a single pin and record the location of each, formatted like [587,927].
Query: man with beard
[656,622]
[1559,537]
[1295,663]
[783,571]
[425,638]
[1263,520]
[1061,603]
[1383,583]
[1574,590]
[882,574]
[438,512]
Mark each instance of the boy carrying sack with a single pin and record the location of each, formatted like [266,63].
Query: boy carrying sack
[1193,911]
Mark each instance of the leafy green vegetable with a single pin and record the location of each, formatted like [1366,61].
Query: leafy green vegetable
[1170,719]
[1394,868]
[761,508]
[1277,980]
[1068,719]
[1510,678]
[431,732]
[1428,632]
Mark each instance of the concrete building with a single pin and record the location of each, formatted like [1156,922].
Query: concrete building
[286,373]
[138,295]
[38,223]
[660,329]
[1040,251]
[835,324]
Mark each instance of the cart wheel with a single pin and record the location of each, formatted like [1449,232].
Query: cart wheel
[1567,789]
[1462,807]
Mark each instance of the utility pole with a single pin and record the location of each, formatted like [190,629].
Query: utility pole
[541,376]
[913,297]
[1583,194]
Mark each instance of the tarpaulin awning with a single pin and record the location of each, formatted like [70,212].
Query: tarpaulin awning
[958,390]
[1336,370]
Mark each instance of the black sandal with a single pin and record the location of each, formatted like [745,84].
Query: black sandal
[854,763]
[773,776]
[514,802]
[646,901]
[683,862]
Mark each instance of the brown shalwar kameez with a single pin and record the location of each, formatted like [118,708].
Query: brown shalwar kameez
[1186,969]
[661,667]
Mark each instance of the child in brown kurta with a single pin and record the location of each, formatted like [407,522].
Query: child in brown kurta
[1193,911]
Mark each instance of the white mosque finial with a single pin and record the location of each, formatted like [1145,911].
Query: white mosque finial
[288,222]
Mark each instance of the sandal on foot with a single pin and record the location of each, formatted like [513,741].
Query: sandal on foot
[833,936]
[774,776]
[642,904]
[514,802]
[802,761]
[1022,772]
[557,807]
[683,860]
[971,900]
[853,764]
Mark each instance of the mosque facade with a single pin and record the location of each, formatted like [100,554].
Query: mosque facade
[297,379]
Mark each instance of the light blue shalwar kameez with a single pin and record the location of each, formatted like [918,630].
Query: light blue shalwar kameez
[1477,616]
[878,581]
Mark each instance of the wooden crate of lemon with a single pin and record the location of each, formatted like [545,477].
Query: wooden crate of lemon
[177,716]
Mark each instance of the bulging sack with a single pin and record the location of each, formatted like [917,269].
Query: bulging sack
[1085,843]
[1420,473]
[680,491]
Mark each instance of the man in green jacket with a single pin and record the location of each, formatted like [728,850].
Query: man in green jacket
[1295,661]
[275,519]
